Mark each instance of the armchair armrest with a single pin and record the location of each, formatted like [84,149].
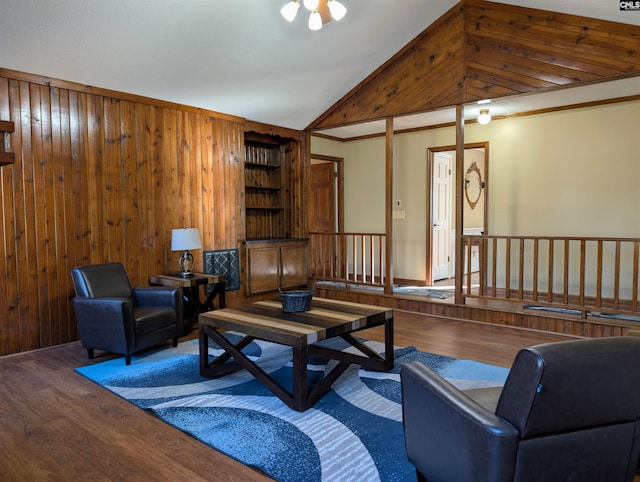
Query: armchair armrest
[450,436]
[105,322]
[158,296]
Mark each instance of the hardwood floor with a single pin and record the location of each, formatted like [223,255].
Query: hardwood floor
[57,425]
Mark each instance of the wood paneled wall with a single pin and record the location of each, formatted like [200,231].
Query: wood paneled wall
[103,176]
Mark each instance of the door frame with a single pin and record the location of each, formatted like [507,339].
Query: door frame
[431,204]
[429,188]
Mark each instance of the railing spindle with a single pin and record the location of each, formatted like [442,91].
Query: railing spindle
[583,261]
[636,263]
[507,276]
[494,270]
[550,273]
[599,277]
[566,272]
[521,271]
[616,281]
[535,268]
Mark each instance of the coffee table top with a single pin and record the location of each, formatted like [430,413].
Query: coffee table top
[326,319]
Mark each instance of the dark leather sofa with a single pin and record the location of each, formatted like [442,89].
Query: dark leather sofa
[568,411]
[115,317]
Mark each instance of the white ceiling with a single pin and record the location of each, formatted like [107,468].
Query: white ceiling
[238,57]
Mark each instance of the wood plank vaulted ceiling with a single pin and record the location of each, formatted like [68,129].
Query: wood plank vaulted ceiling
[241,58]
[482,50]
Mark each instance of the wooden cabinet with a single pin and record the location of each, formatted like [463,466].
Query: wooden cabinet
[275,263]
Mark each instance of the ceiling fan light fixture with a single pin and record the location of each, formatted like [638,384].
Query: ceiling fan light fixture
[338,11]
[290,10]
[484,118]
[311,5]
[321,11]
[315,21]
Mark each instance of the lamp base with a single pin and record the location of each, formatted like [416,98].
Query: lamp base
[186,265]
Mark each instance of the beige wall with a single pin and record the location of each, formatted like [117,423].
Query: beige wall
[568,173]
[574,172]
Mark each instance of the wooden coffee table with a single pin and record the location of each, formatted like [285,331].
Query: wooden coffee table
[265,320]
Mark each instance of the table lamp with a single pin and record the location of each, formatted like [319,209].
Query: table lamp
[184,240]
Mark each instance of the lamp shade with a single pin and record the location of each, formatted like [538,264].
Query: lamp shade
[337,9]
[290,10]
[315,21]
[185,239]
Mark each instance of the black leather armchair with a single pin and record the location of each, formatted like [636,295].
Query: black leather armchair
[115,317]
[569,411]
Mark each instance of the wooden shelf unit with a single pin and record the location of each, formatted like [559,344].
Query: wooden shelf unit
[271,258]
[265,178]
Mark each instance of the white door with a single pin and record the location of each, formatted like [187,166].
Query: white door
[441,214]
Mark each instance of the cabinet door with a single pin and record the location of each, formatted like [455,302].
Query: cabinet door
[294,266]
[263,266]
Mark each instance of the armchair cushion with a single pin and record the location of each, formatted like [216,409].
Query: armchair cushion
[102,280]
[152,318]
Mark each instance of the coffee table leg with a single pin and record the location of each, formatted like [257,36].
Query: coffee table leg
[388,344]
[219,366]
[367,358]
[300,381]
[213,370]
[203,344]
[303,397]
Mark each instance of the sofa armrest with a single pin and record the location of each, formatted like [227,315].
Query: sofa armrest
[448,436]
[105,322]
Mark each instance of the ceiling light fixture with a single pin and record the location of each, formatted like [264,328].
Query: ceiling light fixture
[484,118]
[321,11]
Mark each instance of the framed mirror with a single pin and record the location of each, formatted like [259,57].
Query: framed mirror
[473,185]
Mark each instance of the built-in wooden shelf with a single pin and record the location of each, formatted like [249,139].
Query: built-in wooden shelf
[263,165]
[6,127]
[263,187]
[268,208]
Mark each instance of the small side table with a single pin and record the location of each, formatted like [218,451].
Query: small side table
[191,292]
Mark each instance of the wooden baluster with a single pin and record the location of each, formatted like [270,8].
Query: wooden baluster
[536,246]
[599,276]
[566,271]
[616,281]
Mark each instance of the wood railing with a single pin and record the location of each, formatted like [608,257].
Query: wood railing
[349,258]
[585,274]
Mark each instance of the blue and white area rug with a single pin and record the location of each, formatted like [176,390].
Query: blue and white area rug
[352,433]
